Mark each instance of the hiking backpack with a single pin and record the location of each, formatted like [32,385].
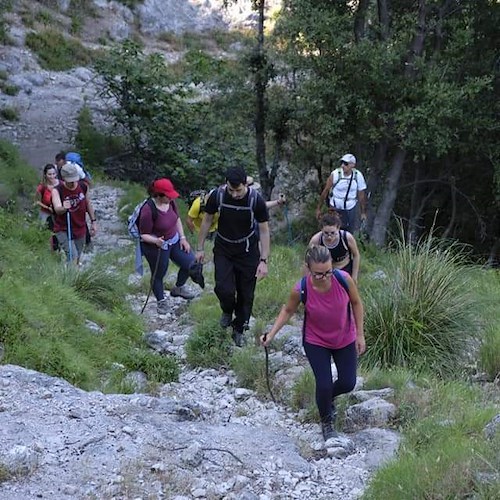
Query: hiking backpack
[132,227]
[252,200]
[198,193]
[330,200]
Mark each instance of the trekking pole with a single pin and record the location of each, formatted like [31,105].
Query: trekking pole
[153,276]
[288,225]
[268,383]
[70,244]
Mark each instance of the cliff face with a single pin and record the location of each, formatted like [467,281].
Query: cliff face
[47,102]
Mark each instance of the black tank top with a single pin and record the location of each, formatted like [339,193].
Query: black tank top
[341,250]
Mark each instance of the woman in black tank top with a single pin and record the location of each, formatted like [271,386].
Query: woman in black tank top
[341,244]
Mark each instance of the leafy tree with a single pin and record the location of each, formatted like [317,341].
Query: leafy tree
[396,83]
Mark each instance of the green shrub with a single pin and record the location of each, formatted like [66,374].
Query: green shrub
[158,368]
[94,145]
[208,346]
[303,396]
[95,284]
[9,89]
[423,317]
[489,353]
[18,178]
[250,368]
[56,52]
[10,114]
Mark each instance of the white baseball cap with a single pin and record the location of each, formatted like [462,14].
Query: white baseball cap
[348,158]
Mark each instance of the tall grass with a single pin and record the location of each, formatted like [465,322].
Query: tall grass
[424,314]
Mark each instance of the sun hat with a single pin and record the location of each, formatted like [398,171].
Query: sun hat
[70,172]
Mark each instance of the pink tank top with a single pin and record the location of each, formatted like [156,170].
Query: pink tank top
[327,321]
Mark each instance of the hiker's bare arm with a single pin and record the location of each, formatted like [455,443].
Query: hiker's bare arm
[182,237]
[315,239]
[362,203]
[265,244]
[205,226]
[323,195]
[287,311]
[356,257]
[56,203]
[190,224]
[91,212]
[357,309]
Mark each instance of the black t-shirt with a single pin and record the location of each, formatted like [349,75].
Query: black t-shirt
[235,223]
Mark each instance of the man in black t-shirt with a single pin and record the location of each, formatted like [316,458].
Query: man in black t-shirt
[239,262]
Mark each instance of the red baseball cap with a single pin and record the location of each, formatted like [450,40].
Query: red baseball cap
[165,186]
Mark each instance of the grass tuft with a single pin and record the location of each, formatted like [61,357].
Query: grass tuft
[424,315]
[208,346]
[56,52]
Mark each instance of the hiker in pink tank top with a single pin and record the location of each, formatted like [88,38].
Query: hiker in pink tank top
[333,328]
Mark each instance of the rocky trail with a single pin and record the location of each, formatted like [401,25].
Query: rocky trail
[201,437]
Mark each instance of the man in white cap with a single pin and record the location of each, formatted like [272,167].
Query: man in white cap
[344,188]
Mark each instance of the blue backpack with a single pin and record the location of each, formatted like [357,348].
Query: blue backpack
[134,232]
[132,227]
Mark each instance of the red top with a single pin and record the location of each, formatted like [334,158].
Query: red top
[77,211]
[165,224]
[45,196]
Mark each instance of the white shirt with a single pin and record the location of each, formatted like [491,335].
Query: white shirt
[340,183]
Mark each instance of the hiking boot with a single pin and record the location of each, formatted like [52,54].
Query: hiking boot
[162,307]
[238,338]
[328,431]
[182,291]
[225,320]
[196,274]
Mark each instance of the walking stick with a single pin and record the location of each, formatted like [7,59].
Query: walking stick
[268,383]
[70,243]
[288,225]
[152,279]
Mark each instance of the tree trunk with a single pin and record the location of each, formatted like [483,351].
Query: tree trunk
[384,211]
[360,20]
[383,18]
[372,180]
[260,111]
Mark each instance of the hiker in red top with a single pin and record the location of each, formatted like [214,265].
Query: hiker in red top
[71,202]
[44,194]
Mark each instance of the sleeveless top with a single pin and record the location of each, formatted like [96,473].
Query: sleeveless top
[341,250]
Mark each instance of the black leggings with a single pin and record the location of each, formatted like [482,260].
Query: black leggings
[326,390]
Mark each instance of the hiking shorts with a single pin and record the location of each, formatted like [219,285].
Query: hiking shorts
[76,245]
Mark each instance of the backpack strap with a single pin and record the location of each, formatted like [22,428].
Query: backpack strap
[343,237]
[345,286]
[153,207]
[303,289]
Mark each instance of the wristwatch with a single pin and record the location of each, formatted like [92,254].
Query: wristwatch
[264,260]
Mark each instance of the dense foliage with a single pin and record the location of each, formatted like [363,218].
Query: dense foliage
[411,88]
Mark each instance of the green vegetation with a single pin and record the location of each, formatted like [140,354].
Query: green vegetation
[9,89]
[45,306]
[94,145]
[57,52]
[209,346]
[423,314]
[9,113]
